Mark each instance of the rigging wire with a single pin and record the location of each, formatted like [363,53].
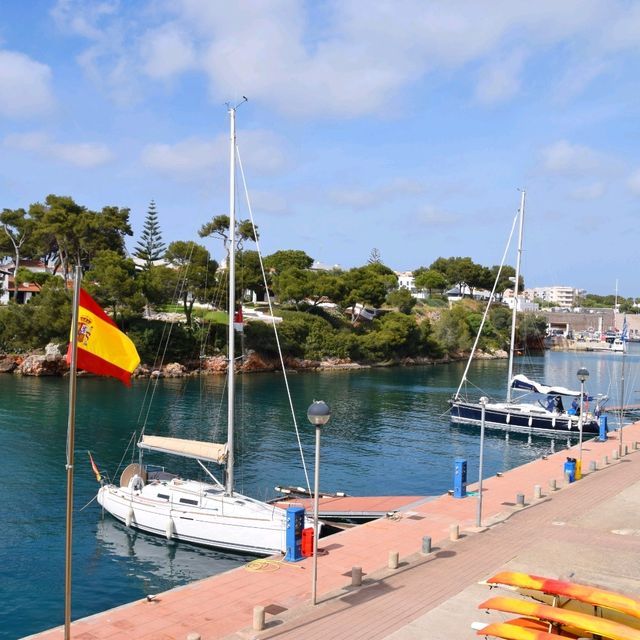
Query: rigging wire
[275,331]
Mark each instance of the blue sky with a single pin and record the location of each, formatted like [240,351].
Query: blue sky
[404,126]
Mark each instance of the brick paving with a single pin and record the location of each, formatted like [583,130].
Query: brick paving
[408,602]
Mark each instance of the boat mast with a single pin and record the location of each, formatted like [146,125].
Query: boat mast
[231,265]
[515,298]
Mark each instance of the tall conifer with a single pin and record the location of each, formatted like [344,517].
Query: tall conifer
[150,247]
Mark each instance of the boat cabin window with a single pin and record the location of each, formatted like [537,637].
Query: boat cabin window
[188,501]
[164,496]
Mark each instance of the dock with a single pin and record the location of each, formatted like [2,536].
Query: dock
[533,520]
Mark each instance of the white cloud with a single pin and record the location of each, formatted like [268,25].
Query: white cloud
[634,182]
[432,216]
[260,152]
[367,198]
[500,80]
[166,52]
[591,191]
[25,86]
[569,159]
[83,154]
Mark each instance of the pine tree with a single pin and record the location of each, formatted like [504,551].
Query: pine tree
[150,247]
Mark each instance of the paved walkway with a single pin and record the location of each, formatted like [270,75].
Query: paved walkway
[433,596]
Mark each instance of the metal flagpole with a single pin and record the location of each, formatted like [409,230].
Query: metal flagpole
[70,447]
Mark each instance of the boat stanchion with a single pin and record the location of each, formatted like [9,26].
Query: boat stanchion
[356,576]
[394,558]
[426,544]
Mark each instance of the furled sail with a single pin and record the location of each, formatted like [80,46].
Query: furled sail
[209,451]
[522,382]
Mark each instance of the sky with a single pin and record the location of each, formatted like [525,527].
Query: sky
[406,127]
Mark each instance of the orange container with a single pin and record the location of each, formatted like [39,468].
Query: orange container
[307,542]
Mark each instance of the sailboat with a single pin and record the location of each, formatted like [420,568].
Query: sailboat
[515,414]
[211,513]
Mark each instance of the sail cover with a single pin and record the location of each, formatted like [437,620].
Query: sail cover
[209,451]
[522,382]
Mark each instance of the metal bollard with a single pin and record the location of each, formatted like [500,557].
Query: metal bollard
[356,576]
[258,618]
[426,544]
[592,466]
[520,499]
[552,484]
[537,492]
[454,532]
[393,559]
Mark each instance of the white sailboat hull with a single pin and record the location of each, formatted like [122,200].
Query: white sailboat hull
[199,513]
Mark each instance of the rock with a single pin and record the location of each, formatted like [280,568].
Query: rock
[52,351]
[35,365]
[174,370]
[7,365]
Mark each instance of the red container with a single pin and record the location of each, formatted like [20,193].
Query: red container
[307,542]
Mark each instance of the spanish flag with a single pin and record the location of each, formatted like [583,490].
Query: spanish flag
[102,348]
[95,467]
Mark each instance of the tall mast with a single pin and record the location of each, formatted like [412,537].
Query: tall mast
[515,298]
[231,263]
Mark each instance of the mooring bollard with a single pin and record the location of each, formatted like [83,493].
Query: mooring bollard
[194,636]
[426,544]
[393,559]
[454,532]
[592,465]
[356,576]
[626,449]
[258,618]
[552,484]
[520,499]
[537,492]
[614,454]
[605,461]
[635,445]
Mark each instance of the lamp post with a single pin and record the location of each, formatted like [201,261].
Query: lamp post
[318,414]
[483,404]
[583,376]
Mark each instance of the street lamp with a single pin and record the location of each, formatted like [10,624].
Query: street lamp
[318,414]
[583,376]
[483,404]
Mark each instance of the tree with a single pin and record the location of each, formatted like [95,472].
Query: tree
[292,285]
[219,227]
[196,273]
[430,279]
[18,229]
[111,280]
[288,259]
[375,257]
[150,247]
[401,299]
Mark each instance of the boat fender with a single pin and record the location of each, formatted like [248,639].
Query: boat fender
[136,483]
[170,529]
[508,418]
[530,420]
[553,422]
[569,425]
[129,518]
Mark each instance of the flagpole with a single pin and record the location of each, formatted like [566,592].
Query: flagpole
[70,447]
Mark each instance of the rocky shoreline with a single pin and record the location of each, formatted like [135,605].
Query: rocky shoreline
[52,363]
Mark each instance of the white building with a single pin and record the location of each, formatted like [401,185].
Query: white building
[24,291]
[557,295]
[407,281]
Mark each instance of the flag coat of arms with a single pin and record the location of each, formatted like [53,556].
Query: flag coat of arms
[102,348]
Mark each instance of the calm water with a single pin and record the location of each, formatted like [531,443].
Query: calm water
[389,434]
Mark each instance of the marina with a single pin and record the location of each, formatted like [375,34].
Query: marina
[389,435]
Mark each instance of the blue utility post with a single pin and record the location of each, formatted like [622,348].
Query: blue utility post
[295,524]
[460,478]
[603,429]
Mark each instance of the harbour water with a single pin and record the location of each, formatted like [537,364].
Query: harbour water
[389,434]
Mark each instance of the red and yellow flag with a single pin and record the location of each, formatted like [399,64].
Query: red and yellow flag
[102,348]
[95,467]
